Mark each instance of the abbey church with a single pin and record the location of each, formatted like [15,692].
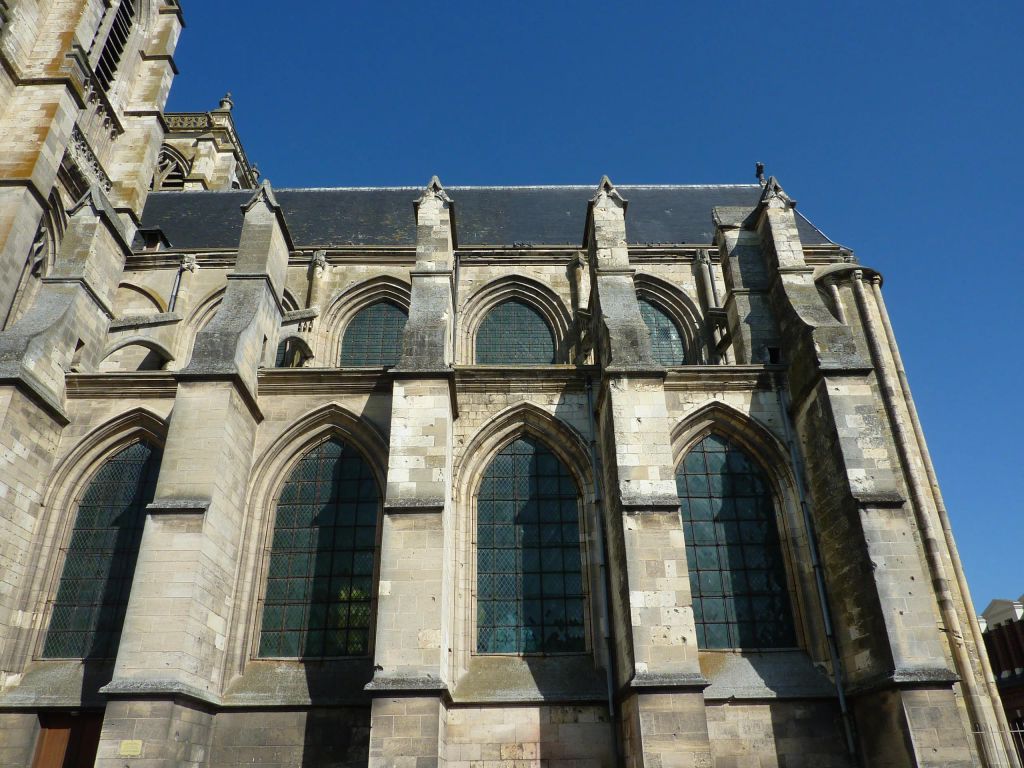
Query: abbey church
[469,477]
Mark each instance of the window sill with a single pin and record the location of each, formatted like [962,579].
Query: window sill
[531,679]
[769,674]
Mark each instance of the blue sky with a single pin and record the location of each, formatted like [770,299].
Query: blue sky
[896,125]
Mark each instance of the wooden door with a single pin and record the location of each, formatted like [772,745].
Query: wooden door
[68,740]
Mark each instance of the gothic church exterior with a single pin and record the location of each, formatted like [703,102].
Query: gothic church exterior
[491,477]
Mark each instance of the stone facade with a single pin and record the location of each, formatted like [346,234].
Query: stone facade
[209,324]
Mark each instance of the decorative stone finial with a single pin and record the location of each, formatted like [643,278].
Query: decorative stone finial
[759,172]
[226,103]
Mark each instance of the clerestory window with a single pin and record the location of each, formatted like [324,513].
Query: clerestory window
[373,337]
[530,588]
[737,573]
[666,341]
[514,333]
[318,600]
[99,560]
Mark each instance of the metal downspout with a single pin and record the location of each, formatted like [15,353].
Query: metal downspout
[819,575]
[606,624]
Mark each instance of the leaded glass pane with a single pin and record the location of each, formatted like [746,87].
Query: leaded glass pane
[374,336]
[99,561]
[737,576]
[320,575]
[666,343]
[530,594]
[514,333]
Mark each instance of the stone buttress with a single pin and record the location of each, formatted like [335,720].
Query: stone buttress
[170,664]
[415,588]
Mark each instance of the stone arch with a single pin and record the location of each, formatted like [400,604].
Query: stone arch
[270,471]
[200,317]
[771,454]
[683,311]
[531,292]
[41,258]
[571,448]
[294,343]
[152,345]
[172,168]
[349,302]
[133,290]
[58,508]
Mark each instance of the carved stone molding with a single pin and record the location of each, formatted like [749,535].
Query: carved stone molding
[86,162]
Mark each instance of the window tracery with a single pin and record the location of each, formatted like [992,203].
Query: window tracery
[99,559]
[530,587]
[318,599]
[737,573]
[514,333]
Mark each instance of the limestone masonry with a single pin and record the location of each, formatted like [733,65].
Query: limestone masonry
[476,477]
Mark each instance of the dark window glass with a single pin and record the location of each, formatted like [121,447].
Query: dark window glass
[666,343]
[320,575]
[514,333]
[737,575]
[530,593]
[99,561]
[374,336]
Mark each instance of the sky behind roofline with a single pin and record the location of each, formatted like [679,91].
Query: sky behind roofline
[895,125]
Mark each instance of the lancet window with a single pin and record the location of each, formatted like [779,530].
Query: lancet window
[666,341]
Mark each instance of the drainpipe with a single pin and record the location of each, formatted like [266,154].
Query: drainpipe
[602,556]
[188,264]
[994,753]
[819,574]
[947,530]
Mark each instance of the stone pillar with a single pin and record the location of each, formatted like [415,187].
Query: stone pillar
[658,672]
[416,578]
[65,328]
[886,595]
[169,668]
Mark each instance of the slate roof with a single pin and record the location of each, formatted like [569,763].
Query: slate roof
[483,215]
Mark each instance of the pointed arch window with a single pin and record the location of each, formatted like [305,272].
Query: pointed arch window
[737,573]
[318,601]
[292,352]
[666,341]
[373,337]
[514,333]
[530,587]
[99,560]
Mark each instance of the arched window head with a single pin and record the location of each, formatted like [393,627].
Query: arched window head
[373,337]
[171,170]
[291,353]
[320,575]
[737,574]
[530,594]
[514,333]
[666,342]
[119,33]
[99,560]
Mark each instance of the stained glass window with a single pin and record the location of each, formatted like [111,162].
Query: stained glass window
[666,343]
[530,594]
[99,560]
[320,575]
[514,333]
[373,337]
[737,575]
